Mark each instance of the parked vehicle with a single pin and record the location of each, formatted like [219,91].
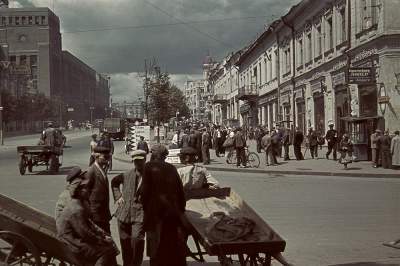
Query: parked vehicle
[115,127]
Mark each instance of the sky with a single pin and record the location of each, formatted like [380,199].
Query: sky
[116,37]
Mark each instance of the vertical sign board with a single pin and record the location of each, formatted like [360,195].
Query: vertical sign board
[143,131]
[134,133]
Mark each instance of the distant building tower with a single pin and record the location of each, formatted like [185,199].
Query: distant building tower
[3,3]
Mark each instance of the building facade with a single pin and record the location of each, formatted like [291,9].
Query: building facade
[132,110]
[331,61]
[196,99]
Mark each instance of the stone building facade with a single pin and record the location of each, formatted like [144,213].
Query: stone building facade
[332,61]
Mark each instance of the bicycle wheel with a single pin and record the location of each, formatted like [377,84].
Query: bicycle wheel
[253,160]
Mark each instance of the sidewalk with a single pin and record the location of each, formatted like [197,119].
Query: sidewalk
[320,166]
[13,142]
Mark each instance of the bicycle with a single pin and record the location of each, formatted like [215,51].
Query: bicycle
[252,158]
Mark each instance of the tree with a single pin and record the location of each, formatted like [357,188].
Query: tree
[164,99]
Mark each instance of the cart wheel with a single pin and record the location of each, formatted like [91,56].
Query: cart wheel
[22,165]
[30,166]
[15,249]
[232,158]
[253,160]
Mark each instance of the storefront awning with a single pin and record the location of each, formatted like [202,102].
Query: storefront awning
[353,119]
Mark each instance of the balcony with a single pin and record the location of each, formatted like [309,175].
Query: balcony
[220,98]
[248,93]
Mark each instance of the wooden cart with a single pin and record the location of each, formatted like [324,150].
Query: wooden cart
[39,155]
[258,251]
[28,237]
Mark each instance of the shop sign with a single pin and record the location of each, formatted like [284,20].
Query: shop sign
[359,75]
[383,99]
[338,79]
[21,70]
[285,99]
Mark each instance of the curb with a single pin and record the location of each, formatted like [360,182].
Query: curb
[287,172]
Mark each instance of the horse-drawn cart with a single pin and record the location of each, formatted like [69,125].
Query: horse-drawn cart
[28,237]
[39,155]
[227,227]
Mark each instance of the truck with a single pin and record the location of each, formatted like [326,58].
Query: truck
[115,127]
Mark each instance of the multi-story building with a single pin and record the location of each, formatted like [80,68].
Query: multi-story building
[194,94]
[30,39]
[131,110]
[331,61]
[83,90]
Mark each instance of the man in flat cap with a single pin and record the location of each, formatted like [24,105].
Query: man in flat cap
[375,148]
[164,205]
[75,228]
[99,196]
[130,210]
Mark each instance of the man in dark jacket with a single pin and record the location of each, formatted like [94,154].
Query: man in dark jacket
[130,210]
[164,205]
[98,183]
[286,141]
[384,143]
[297,141]
[106,142]
[331,138]
[142,145]
[313,143]
[205,146]
[91,244]
[239,142]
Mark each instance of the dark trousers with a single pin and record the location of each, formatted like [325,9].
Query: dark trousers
[332,147]
[386,158]
[240,156]
[105,225]
[270,153]
[131,236]
[205,150]
[314,151]
[286,148]
[91,160]
[297,152]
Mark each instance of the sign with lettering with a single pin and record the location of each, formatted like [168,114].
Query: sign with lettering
[359,75]
[383,99]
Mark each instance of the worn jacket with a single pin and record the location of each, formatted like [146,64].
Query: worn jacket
[239,140]
[266,142]
[313,138]
[75,228]
[99,197]
[132,210]
[298,138]
[374,139]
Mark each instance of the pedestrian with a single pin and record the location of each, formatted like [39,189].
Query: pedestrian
[259,134]
[346,151]
[375,148]
[384,143]
[395,150]
[275,147]
[313,143]
[75,228]
[93,144]
[266,144]
[331,138]
[175,140]
[164,207]
[142,145]
[217,139]
[286,140]
[99,196]
[185,139]
[205,146]
[279,135]
[129,212]
[239,143]
[106,142]
[48,136]
[297,141]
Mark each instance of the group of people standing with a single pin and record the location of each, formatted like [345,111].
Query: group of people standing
[151,204]
[385,149]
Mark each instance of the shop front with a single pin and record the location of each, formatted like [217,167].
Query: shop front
[300,109]
[268,104]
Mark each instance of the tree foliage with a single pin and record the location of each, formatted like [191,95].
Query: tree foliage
[164,99]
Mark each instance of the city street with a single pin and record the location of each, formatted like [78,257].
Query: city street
[325,220]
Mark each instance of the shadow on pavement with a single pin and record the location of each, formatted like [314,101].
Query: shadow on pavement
[366,264]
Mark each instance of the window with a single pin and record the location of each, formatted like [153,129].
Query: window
[266,72]
[276,63]
[23,20]
[318,48]
[37,20]
[17,21]
[43,22]
[10,20]
[342,21]
[287,60]
[260,76]
[22,60]
[329,33]
[369,13]
[301,52]
[13,59]
[3,20]
[309,48]
[270,67]
[30,20]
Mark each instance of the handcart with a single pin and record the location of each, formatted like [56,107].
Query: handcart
[28,237]
[39,155]
[256,248]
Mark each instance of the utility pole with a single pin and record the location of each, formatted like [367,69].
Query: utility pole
[145,90]
[1,117]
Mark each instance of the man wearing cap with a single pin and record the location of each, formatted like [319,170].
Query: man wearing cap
[75,228]
[99,196]
[331,138]
[163,204]
[48,136]
[130,210]
[239,143]
[375,148]
[106,142]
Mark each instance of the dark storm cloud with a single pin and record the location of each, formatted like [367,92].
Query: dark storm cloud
[180,48]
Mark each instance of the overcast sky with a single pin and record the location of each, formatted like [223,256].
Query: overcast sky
[116,37]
